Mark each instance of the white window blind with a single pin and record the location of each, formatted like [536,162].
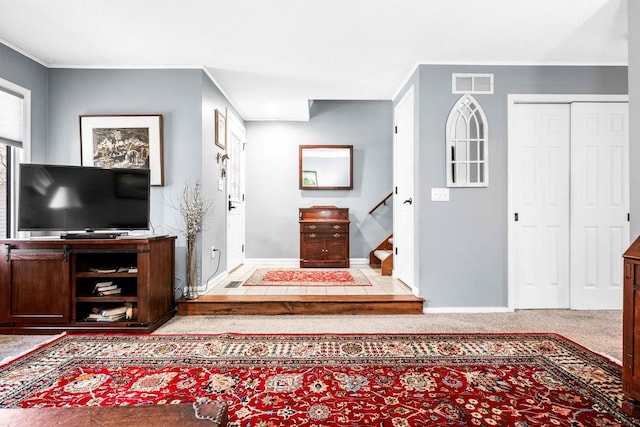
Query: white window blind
[11,118]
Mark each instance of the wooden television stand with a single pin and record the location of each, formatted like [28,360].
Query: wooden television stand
[52,285]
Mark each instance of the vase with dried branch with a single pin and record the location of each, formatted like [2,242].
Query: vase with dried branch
[193,208]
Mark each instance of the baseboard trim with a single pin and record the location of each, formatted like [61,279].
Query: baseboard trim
[254,261]
[214,281]
[277,261]
[441,310]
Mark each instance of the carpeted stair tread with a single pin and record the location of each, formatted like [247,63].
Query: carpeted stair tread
[382,254]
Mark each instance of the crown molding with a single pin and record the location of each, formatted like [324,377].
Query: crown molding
[24,53]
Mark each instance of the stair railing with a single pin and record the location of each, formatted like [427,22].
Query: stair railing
[382,202]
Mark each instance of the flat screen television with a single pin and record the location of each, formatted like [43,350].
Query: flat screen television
[76,198]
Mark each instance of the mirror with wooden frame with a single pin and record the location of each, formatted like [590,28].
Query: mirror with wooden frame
[326,167]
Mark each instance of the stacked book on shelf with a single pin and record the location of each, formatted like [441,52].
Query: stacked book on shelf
[114,270]
[107,288]
[112,314]
[114,309]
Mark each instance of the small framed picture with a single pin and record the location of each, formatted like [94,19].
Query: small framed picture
[123,141]
[309,179]
[221,130]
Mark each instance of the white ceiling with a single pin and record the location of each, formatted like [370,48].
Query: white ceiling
[271,57]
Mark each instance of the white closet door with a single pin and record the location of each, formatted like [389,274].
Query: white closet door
[539,181]
[599,203]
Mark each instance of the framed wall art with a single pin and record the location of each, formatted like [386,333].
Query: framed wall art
[309,178]
[326,167]
[123,141]
[221,130]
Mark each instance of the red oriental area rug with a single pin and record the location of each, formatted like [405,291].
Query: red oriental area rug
[340,380]
[307,277]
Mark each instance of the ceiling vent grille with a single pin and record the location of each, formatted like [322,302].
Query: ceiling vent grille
[472,83]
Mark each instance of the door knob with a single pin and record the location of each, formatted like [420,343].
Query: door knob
[231,205]
[409,200]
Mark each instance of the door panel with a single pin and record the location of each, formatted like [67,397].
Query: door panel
[540,199]
[313,249]
[235,192]
[557,246]
[336,249]
[34,300]
[600,203]
[404,208]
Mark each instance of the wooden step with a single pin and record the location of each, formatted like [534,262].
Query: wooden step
[382,254]
[301,304]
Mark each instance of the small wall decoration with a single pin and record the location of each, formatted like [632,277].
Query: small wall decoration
[221,130]
[309,179]
[325,167]
[467,144]
[123,141]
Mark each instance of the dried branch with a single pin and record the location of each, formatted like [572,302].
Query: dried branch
[193,208]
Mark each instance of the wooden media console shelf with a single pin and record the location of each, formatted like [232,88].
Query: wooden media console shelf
[102,285]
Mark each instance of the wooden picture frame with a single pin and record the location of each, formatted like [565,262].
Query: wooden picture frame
[309,178]
[325,167]
[221,130]
[130,141]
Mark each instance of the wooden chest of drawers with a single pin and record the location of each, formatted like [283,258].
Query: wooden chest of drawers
[324,237]
[631,331]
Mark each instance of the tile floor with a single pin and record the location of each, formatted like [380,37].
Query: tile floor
[380,285]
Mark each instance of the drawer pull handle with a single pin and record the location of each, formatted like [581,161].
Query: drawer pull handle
[337,235]
[312,227]
[312,235]
[337,227]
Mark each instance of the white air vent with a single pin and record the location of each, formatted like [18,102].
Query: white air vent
[472,83]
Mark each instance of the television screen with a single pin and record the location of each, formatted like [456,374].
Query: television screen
[52,197]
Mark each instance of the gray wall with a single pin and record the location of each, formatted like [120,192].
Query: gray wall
[27,73]
[187,100]
[462,259]
[273,196]
[462,244]
[176,94]
[214,227]
[634,114]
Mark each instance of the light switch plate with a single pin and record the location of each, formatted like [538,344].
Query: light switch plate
[220,184]
[439,194]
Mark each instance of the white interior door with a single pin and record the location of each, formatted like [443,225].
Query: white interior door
[235,192]
[539,189]
[600,203]
[404,196]
[569,197]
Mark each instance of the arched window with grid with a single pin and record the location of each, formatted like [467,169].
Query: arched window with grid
[467,145]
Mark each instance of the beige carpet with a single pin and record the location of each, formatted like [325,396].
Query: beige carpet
[600,331]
